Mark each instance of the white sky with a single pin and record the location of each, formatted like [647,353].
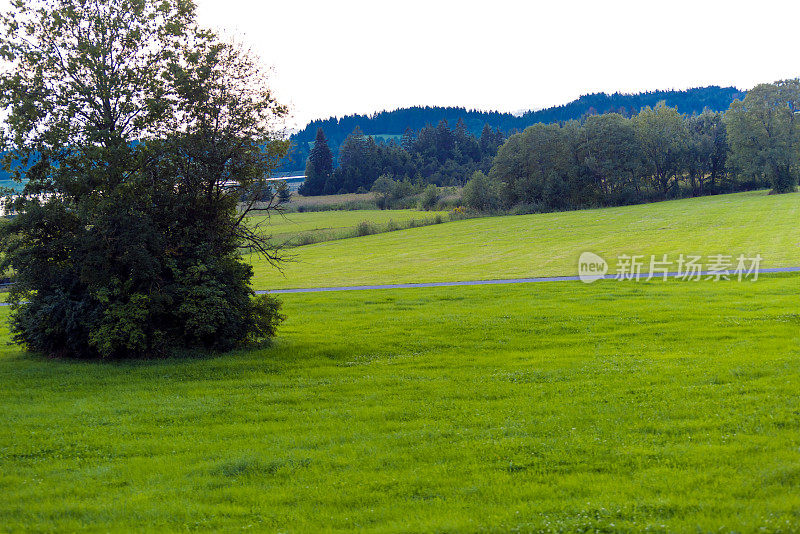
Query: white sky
[337,57]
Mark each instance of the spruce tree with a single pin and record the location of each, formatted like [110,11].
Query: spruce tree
[319,166]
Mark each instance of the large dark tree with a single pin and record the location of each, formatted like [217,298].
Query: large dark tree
[319,166]
[663,138]
[707,152]
[359,165]
[145,142]
[610,159]
[764,134]
[529,159]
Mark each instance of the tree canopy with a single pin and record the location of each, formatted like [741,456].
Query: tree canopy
[764,133]
[319,166]
[396,122]
[145,141]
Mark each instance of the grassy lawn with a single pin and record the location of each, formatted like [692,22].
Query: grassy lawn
[550,244]
[329,225]
[666,406]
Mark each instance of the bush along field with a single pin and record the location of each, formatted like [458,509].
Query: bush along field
[619,406]
[297,229]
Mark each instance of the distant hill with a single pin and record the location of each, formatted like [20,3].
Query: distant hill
[394,123]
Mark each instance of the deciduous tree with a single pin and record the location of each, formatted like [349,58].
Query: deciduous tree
[764,134]
[146,142]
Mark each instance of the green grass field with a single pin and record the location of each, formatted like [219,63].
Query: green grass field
[330,225]
[559,407]
[619,406]
[550,244]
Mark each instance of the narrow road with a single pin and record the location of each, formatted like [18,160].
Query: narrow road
[484,282]
[491,282]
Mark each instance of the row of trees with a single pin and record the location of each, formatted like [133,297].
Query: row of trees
[438,155]
[657,154]
[611,160]
[689,101]
[606,159]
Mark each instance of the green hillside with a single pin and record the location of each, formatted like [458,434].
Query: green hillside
[329,225]
[550,244]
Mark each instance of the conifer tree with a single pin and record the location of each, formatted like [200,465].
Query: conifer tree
[319,166]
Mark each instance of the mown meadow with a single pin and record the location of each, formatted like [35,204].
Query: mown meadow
[550,244]
[669,406]
[663,406]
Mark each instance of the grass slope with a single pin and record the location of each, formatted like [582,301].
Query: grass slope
[550,244]
[331,224]
[619,406]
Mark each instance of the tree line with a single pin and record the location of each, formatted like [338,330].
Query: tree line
[602,160]
[396,122]
[438,155]
[657,154]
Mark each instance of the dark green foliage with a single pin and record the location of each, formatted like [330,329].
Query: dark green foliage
[663,141]
[359,165]
[283,191]
[318,167]
[390,192]
[556,192]
[644,150]
[402,121]
[657,154]
[128,235]
[707,153]
[525,162]
[430,198]
[439,155]
[482,194]
[610,159]
[764,133]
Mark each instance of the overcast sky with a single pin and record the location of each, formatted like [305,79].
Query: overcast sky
[332,58]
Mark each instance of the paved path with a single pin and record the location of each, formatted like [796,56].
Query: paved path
[481,283]
[490,282]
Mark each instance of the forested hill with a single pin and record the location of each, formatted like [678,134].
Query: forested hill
[394,123]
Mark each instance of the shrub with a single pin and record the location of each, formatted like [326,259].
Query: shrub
[383,188]
[393,193]
[529,208]
[307,238]
[458,214]
[265,317]
[430,197]
[365,228]
[482,193]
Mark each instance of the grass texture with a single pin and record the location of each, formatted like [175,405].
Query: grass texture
[549,244]
[620,406]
